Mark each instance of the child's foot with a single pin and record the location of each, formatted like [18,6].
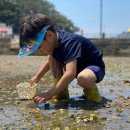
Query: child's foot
[62,95]
[93,94]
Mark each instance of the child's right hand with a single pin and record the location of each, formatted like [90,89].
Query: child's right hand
[34,80]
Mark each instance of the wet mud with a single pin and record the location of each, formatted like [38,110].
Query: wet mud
[77,113]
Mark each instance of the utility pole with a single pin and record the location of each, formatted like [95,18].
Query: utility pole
[101,12]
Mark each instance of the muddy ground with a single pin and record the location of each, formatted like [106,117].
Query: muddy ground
[113,113]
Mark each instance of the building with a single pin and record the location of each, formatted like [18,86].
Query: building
[5,31]
[124,35]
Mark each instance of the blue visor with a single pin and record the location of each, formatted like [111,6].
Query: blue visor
[27,49]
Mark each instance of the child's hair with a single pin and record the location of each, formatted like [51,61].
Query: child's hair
[31,25]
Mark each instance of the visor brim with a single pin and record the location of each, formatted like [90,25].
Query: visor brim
[27,50]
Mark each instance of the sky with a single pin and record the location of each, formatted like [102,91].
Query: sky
[86,14]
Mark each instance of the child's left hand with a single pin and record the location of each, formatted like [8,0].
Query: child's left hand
[41,97]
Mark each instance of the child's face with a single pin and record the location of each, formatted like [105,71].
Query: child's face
[49,43]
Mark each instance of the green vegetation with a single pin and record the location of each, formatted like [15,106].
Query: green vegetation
[13,10]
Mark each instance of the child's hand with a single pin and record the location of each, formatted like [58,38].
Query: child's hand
[34,79]
[41,97]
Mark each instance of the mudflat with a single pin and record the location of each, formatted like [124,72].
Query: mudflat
[77,113]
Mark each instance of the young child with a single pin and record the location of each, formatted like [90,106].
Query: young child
[69,56]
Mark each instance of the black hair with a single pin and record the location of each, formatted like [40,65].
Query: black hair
[31,25]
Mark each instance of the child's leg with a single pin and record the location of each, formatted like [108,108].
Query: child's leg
[57,71]
[87,79]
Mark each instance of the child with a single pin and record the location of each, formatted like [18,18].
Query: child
[69,56]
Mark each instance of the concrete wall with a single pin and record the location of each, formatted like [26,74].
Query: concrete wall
[4,45]
[114,47]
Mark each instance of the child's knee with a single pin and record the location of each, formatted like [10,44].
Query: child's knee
[86,79]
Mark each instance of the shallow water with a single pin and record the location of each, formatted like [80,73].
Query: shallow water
[75,114]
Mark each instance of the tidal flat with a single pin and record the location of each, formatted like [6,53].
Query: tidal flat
[77,113]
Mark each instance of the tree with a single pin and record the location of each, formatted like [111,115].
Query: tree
[13,10]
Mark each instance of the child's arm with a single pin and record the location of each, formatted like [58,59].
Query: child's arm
[67,77]
[43,69]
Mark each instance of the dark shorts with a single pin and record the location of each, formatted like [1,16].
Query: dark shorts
[99,72]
